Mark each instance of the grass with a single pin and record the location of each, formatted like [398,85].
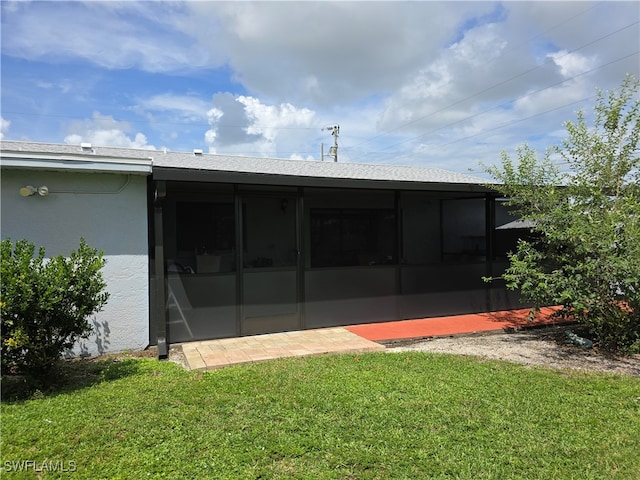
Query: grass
[387,416]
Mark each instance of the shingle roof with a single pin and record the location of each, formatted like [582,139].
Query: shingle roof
[251,165]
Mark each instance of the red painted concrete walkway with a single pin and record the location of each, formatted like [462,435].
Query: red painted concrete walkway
[453,325]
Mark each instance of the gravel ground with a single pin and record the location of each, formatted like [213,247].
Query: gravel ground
[540,347]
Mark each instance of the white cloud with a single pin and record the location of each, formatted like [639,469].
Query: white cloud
[510,79]
[184,107]
[268,119]
[63,86]
[245,124]
[108,34]
[214,115]
[443,91]
[571,64]
[414,81]
[323,54]
[316,52]
[103,130]
[4,127]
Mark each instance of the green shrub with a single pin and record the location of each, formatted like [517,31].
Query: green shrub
[585,251]
[46,304]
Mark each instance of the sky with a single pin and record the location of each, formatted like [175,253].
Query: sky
[433,84]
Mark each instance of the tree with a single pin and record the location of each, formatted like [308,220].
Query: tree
[46,304]
[584,251]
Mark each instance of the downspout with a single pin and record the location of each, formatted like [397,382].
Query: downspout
[160,297]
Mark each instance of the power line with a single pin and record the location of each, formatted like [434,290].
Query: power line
[147,122]
[520,120]
[495,107]
[506,124]
[521,74]
[492,61]
[202,124]
[422,135]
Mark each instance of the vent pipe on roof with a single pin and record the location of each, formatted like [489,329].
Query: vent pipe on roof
[197,151]
[86,147]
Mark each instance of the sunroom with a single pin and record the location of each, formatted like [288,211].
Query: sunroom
[244,246]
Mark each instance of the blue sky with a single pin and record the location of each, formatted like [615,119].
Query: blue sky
[434,84]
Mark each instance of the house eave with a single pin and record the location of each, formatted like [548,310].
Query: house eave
[252,178]
[66,163]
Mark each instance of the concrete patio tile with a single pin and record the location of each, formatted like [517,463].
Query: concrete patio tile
[237,357]
[320,348]
[195,362]
[214,365]
[215,354]
[208,349]
[299,352]
[259,355]
[276,352]
[214,358]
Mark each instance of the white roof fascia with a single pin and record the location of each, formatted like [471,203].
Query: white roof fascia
[39,161]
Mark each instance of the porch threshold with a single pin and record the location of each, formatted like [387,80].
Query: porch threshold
[213,354]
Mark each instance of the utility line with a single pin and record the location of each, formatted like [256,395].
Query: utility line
[378,136]
[426,116]
[509,123]
[509,102]
[146,122]
[547,61]
[512,47]
[520,120]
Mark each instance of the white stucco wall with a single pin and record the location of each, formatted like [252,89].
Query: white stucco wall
[109,211]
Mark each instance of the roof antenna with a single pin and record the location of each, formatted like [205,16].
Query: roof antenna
[333,150]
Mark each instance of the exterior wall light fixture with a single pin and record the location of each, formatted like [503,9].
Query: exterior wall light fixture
[29,191]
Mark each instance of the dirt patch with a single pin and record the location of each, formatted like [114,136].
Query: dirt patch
[175,355]
[548,347]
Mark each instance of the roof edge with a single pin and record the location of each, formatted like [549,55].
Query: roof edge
[96,164]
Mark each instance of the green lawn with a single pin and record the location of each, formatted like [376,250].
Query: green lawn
[389,416]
